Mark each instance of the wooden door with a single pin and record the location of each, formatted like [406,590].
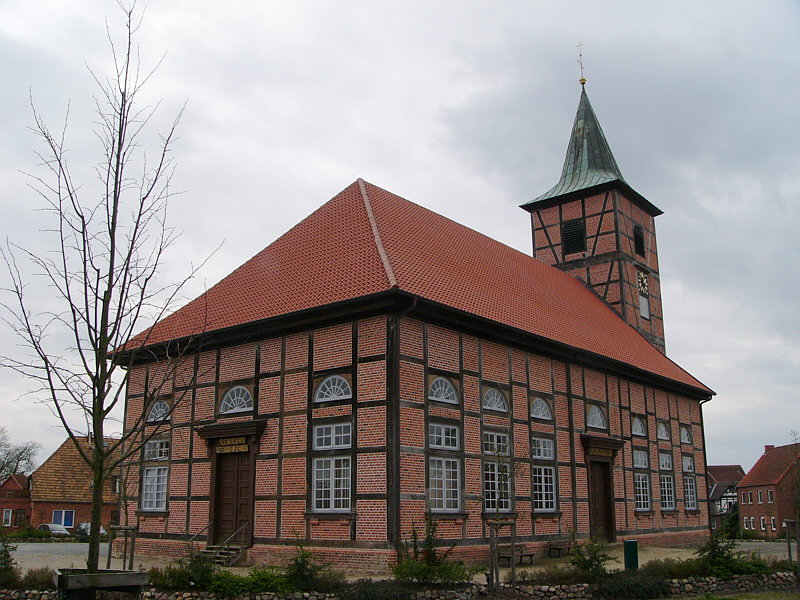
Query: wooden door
[601,500]
[233,506]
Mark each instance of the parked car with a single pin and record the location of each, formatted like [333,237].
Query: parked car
[84,529]
[54,529]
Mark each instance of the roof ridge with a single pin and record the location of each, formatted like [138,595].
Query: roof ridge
[376,234]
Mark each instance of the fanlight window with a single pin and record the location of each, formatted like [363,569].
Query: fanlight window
[334,387]
[540,409]
[686,437]
[236,399]
[663,431]
[638,428]
[158,412]
[596,418]
[443,390]
[494,399]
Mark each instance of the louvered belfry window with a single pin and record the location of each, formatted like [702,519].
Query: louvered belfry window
[573,236]
[638,240]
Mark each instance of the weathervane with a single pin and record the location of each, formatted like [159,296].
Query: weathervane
[580,61]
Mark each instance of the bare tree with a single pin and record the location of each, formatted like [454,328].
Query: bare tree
[16,459]
[101,274]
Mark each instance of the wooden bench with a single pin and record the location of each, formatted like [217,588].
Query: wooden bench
[561,546]
[504,552]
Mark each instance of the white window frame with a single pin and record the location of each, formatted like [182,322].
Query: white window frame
[332,474]
[641,464]
[333,436]
[686,436]
[596,417]
[159,411]
[763,522]
[690,490]
[444,484]
[7,517]
[744,497]
[62,518]
[496,487]
[641,491]
[238,398]
[540,409]
[713,523]
[753,523]
[665,461]
[543,488]
[443,437]
[443,390]
[542,448]
[332,388]
[154,488]
[662,431]
[667,482]
[770,497]
[687,462]
[760,496]
[641,430]
[750,497]
[644,306]
[157,449]
[772,524]
[494,399]
[744,523]
[496,443]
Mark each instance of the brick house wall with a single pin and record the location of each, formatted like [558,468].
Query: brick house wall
[764,515]
[15,503]
[389,362]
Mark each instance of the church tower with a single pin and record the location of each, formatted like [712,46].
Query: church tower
[595,227]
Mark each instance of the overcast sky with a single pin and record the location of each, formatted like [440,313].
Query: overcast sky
[466,109]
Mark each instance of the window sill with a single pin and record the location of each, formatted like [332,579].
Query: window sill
[692,511]
[448,516]
[644,512]
[330,515]
[669,511]
[499,515]
[552,514]
[152,513]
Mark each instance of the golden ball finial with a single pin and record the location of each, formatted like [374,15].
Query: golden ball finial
[583,80]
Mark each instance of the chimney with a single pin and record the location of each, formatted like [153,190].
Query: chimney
[768,447]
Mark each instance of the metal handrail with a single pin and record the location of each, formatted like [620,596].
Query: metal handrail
[225,545]
[195,536]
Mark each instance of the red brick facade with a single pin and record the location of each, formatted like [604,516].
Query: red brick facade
[15,503]
[770,492]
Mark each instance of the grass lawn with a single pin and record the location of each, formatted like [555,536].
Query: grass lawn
[761,596]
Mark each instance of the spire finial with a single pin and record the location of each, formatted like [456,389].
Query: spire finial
[580,62]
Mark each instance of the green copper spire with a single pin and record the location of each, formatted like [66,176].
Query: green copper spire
[589,161]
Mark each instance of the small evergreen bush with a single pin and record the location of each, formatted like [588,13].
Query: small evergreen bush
[9,573]
[591,557]
[425,564]
[671,568]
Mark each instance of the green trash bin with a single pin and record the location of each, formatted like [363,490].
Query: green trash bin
[631,548]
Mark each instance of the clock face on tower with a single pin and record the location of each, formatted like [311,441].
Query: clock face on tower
[644,286]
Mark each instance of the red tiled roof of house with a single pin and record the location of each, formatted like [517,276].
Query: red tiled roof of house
[65,477]
[18,481]
[367,240]
[725,472]
[772,466]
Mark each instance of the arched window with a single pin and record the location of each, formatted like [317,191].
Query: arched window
[596,418]
[663,431]
[494,399]
[540,409]
[443,390]
[158,412]
[334,387]
[236,399]
[638,428]
[686,437]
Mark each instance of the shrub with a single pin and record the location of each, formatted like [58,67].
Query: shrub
[554,574]
[42,578]
[269,579]
[9,573]
[591,557]
[366,589]
[304,574]
[629,585]
[228,584]
[720,554]
[671,568]
[425,564]
[28,533]
[194,572]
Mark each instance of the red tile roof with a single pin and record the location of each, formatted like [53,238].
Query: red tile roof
[717,473]
[15,481]
[772,466]
[66,477]
[367,240]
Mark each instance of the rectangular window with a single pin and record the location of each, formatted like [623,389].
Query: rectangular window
[744,498]
[544,489]
[667,492]
[753,523]
[154,488]
[763,522]
[772,523]
[770,497]
[444,481]
[713,523]
[641,491]
[749,497]
[332,436]
[495,443]
[744,523]
[644,306]
[573,236]
[156,450]
[332,483]
[665,461]
[640,459]
[443,436]
[688,464]
[542,448]
[496,485]
[6,517]
[690,487]
[64,517]
[638,240]
[760,497]
[19,518]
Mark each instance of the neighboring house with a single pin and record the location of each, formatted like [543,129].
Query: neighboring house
[722,481]
[61,490]
[15,502]
[769,490]
[379,362]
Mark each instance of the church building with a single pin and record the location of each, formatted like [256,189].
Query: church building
[380,362]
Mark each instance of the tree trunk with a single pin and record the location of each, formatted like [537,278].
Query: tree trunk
[98,467]
[514,555]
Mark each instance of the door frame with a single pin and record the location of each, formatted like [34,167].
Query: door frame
[602,450]
[251,431]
